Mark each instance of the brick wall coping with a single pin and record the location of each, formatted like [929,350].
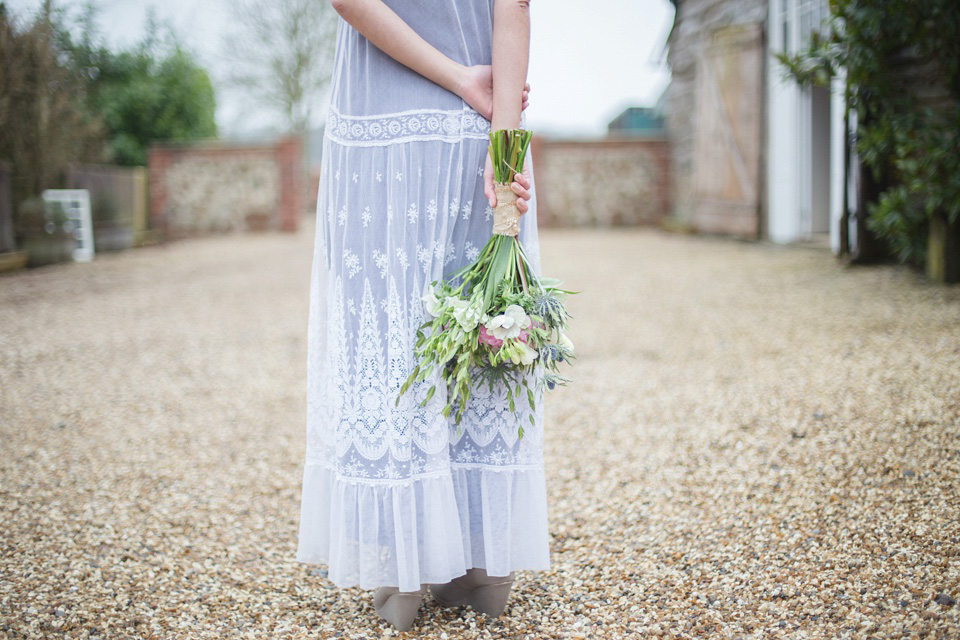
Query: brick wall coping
[618,141]
[217,144]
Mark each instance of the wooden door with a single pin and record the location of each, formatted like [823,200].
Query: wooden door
[728,137]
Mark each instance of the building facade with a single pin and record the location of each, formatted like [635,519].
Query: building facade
[754,154]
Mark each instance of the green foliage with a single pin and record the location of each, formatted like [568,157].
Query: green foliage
[902,64]
[143,99]
[65,97]
[924,154]
[154,91]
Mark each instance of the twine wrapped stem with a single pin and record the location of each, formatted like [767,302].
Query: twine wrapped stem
[506,216]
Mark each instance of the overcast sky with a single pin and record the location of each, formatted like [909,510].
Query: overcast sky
[588,60]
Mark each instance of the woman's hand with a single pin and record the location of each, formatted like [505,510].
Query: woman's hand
[520,185]
[476,89]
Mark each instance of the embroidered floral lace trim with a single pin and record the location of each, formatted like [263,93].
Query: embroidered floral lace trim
[406,126]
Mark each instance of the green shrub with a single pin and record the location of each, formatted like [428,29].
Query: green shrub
[902,64]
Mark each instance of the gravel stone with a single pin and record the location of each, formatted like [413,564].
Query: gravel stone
[758,442]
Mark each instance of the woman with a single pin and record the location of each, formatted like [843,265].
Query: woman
[395,496]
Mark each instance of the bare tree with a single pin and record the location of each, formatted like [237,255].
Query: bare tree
[280,54]
[44,121]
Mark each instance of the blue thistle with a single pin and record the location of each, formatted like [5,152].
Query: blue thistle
[548,306]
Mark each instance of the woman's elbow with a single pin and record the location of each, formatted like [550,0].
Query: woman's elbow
[341,5]
[522,5]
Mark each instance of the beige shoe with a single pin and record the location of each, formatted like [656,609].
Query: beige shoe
[486,594]
[399,608]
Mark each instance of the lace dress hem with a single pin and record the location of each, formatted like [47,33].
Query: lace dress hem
[427,531]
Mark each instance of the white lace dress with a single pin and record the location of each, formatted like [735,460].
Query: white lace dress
[393,495]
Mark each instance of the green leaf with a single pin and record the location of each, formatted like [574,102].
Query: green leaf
[429,395]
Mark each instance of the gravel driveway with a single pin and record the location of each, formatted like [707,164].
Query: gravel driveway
[758,443]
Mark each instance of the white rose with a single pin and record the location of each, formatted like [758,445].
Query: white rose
[431,303]
[509,323]
[467,315]
[566,341]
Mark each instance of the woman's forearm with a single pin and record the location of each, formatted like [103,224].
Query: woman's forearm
[511,55]
[376,22]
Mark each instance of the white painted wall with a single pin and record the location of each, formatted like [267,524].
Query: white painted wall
[838,106]
[804,164]
[783,144]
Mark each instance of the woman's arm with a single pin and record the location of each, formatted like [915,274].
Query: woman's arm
[511,55]
[388,32]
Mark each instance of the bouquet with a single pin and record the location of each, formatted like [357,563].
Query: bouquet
[494,319]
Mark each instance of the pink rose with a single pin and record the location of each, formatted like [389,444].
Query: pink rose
[523,336]
[489,338]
